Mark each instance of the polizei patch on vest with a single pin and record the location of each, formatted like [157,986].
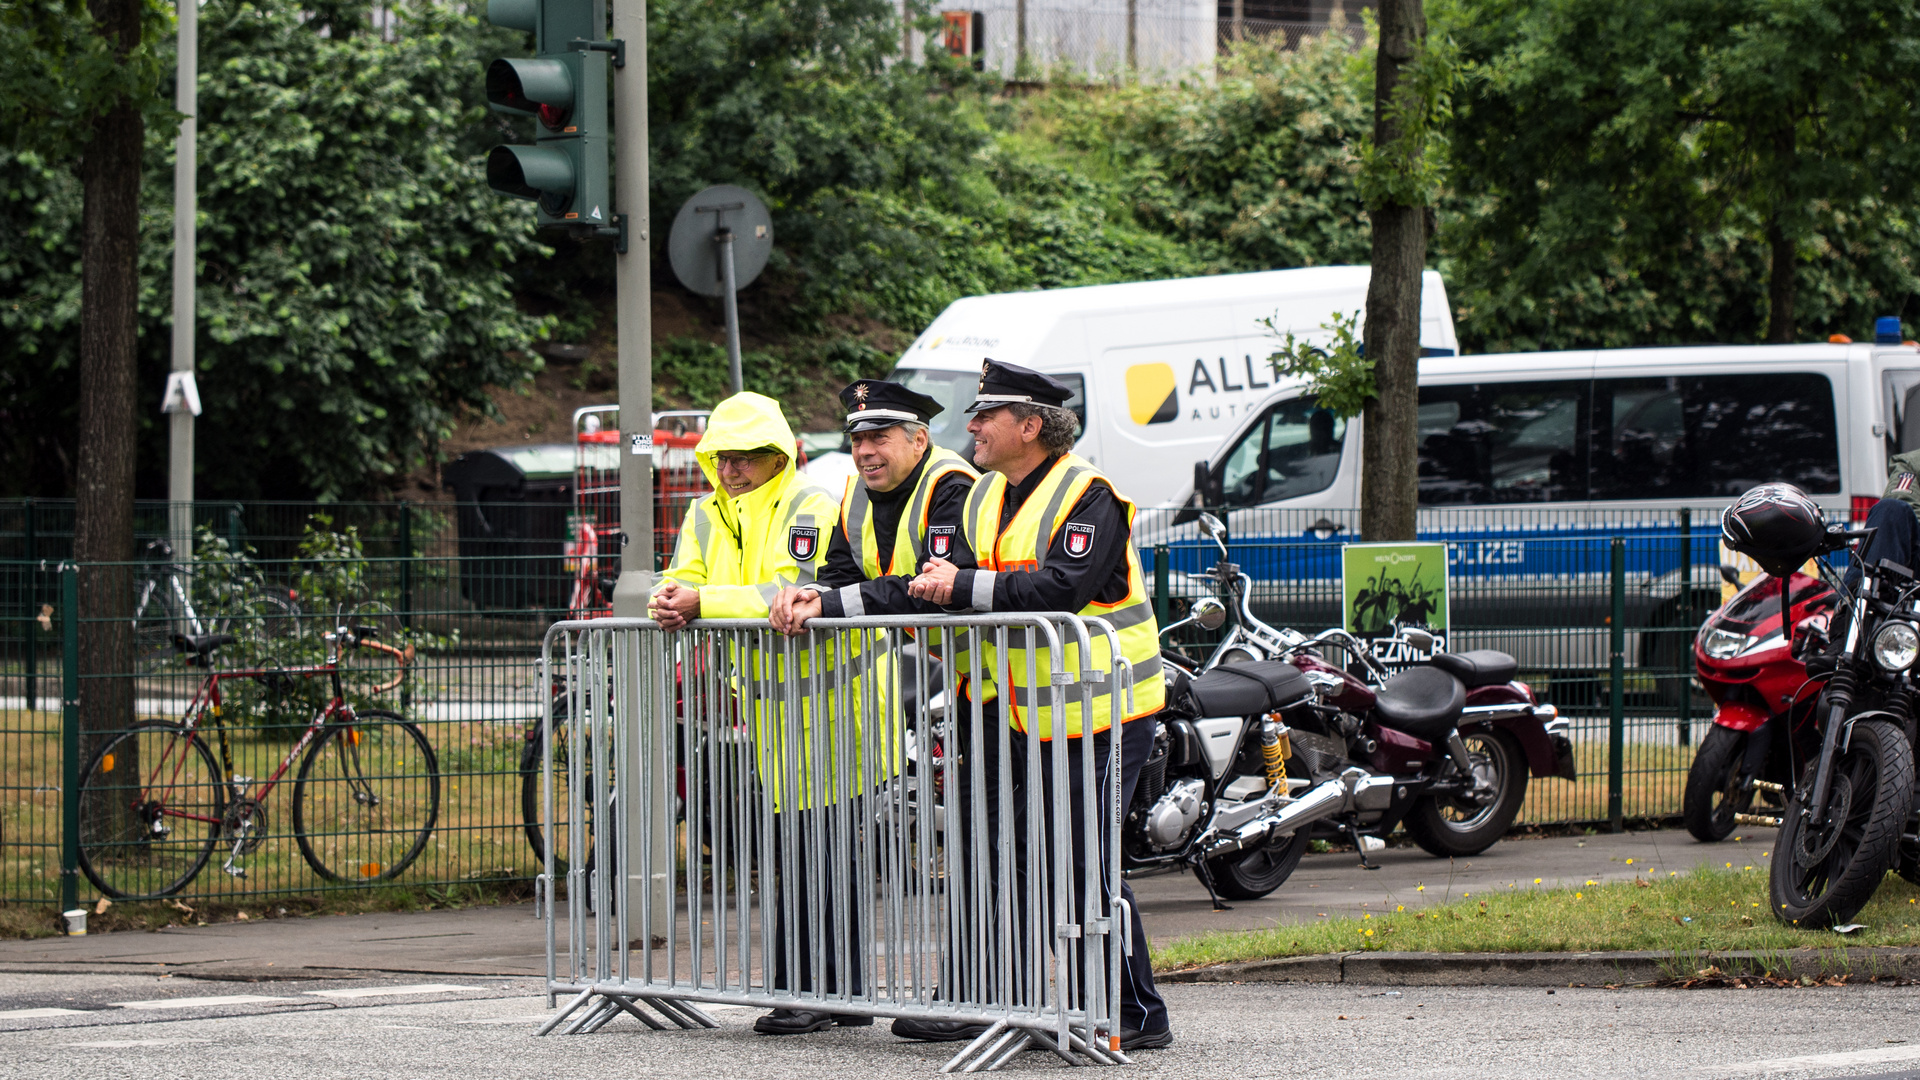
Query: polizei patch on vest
[940,541]
[803,541]
[1079,539]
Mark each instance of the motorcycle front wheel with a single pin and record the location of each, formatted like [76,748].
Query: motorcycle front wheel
[1824,873]
[1456,828]
[1250,875]
[1714,789]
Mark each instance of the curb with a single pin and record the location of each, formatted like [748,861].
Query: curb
[1552,969]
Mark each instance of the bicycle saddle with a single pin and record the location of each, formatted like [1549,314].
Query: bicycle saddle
[1481,667]
[202,645]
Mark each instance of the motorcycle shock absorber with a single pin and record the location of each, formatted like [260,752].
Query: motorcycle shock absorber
[1276,746]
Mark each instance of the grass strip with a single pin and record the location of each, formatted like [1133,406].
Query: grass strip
[1717,909]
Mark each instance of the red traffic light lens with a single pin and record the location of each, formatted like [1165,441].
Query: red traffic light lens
[554,117]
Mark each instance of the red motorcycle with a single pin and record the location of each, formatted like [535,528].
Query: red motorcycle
[1762,697]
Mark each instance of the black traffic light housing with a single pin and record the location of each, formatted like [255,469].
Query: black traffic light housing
[563,89]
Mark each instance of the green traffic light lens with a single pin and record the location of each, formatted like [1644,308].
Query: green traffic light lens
[533,172]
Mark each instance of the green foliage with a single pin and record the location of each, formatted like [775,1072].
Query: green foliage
[354,287]
[1620,169]
[810,375]
[57,72]
[1340,377]
[1410,169]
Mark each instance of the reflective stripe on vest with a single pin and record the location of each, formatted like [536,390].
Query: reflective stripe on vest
[1023,545]
[910,538]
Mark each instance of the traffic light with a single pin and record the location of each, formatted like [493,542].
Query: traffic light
[563,88]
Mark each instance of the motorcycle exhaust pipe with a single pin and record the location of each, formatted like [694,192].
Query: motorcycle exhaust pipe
[1354,789]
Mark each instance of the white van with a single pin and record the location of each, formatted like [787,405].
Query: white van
[1162,371]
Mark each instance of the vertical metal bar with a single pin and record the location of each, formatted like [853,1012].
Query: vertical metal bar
[1617,699]
[724,237]
[70,738]
[1685,674]
[233,534]
[33,613]
[406,564]
[1161,571]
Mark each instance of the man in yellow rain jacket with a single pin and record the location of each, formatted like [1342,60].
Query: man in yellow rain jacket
[763,528]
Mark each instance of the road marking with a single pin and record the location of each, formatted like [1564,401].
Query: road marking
[383,991]
[1876,1056]
[121,1044]
[35,1014]
[536,1018]
[200,1002]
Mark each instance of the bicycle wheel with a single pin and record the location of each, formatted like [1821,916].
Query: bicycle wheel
[267,618]
[151,801]
[366,798]
[533,807]
[154,623]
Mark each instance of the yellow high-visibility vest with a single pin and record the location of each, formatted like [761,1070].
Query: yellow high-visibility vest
[910,539]
[1023,545]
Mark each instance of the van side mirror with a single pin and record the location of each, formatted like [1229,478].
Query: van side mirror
[1202,494]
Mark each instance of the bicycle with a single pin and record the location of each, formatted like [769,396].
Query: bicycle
[163,607]
[154,804]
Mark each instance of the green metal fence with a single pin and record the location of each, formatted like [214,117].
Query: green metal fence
[1601,622]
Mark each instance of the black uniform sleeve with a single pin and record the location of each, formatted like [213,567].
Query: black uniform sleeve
[1068,582]
[888,595]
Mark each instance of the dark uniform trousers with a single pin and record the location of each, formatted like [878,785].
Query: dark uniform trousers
[817,887]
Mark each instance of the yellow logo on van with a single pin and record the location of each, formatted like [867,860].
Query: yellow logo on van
[1152,397]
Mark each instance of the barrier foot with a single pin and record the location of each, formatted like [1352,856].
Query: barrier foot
[684,1013]
[992,1034]
[592,1018]
[1016,1040]
[547,1028]
[628,1007]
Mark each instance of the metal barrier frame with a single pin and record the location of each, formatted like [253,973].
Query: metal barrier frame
[634,723]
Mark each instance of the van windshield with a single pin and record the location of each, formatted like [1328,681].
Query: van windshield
[955,391]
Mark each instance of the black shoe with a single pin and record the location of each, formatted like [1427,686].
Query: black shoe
[1145,1040]
[793,1022]
[850,1020]
[908,1027]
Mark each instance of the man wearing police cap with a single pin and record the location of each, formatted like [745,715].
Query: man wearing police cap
[1048,532]
[905,508]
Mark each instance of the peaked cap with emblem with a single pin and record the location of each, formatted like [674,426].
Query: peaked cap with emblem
[1007,384]
[873,404]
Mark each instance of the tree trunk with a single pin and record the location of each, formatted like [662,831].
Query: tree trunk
[109,290]
[1389,470]
[1780,284]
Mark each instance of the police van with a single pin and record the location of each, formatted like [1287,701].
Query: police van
[1161,371]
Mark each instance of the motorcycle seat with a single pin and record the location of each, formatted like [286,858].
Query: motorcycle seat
[1245,689]
[1481,667]
[1423,702]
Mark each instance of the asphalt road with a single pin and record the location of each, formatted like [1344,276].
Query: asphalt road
[394,1027]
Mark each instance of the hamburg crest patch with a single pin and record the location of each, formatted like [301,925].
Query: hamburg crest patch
[803,541]
[940,541]
[1079,539]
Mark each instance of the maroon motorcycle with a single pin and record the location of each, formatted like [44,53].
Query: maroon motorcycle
[1763,702]
[1277,733]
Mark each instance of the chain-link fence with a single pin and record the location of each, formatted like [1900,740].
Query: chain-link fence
[1600,613]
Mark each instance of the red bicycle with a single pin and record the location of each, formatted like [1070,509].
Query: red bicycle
[154,803]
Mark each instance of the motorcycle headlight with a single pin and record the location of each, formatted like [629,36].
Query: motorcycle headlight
[1724,644]
[1895,646]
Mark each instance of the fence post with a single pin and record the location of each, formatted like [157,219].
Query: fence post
[33,612]
[233,530]
[1617,700]
[70,737]
[1160,572]
[406,564]
[1686,621]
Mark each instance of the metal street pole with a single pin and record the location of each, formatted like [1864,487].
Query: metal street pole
[725,239]
[185,186]
[654,817]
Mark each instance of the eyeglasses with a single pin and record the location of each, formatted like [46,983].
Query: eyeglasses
[739,462]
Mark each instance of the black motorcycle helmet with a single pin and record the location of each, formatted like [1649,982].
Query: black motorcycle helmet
[1775,525]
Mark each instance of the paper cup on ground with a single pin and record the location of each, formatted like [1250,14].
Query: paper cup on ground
[76,922]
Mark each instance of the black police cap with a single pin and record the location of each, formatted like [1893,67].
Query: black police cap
[873,404]
[1007,384]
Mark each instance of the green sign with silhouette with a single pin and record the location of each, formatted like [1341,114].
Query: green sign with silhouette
[1387,586]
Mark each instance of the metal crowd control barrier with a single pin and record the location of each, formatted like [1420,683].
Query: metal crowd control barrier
[828,822]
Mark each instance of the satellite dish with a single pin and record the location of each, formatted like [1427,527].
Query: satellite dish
[692,247]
